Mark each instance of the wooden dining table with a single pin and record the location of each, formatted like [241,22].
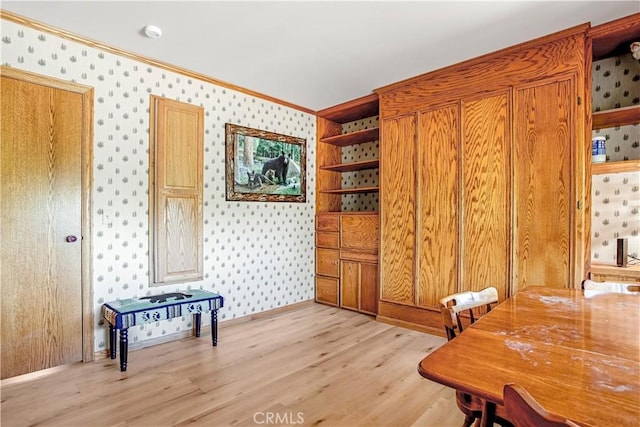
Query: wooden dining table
[577,353]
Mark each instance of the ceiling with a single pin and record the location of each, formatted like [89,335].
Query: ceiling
[316,54]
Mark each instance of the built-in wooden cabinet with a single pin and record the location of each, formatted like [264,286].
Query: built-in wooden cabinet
[482,178]
[347,260]
[328,259]
[358,290]
[485,170]
[346,242]
[176,191]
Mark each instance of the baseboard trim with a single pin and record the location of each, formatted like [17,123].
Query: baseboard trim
[413,326]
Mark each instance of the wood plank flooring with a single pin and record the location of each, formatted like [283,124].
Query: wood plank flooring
[316,365]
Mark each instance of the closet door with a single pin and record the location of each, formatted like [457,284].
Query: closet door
[397,209]
[438,204]
[544,127]
[485,233]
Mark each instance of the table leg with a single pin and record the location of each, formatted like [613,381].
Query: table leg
[214,327]
[113,332]
[197,320]
[488,414]
[124,347]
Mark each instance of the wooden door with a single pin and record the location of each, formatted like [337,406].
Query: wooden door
[41,228]
[544,133]
[486,210]
[438,204]
[397,209]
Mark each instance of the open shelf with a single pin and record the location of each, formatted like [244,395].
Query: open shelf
[616,117]
[351,167]
[615,167]
[356,190]
[353,138]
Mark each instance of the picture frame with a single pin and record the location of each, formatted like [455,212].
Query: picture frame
[262,166]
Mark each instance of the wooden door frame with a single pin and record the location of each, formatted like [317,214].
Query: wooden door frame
[86,159]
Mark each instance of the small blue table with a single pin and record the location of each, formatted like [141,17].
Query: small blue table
[122,314]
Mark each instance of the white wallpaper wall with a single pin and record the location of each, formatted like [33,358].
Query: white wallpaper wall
[616,196]
[364,178]
[258,256]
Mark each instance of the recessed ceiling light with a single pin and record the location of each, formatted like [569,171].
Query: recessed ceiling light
[152,31]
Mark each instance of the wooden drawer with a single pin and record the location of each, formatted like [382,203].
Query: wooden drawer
[354,255]
[327,222]
[328,262]
[327,290]
[359,232]
[327,239]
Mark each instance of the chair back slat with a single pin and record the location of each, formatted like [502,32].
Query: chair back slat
[452,305]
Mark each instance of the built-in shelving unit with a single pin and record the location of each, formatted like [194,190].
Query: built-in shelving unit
[347,241]
[329,186]
[611,39]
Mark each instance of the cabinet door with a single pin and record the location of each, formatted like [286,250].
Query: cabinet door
[350,278]
[543,131]
[485,194]
[369,288]
[397,209]
[438,204]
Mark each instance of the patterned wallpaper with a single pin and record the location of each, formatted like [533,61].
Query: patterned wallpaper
[259,256]
[364,178]
[616,197]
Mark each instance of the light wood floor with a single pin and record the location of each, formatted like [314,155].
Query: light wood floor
[316,365]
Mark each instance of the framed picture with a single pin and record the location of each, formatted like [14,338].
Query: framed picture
[264,166]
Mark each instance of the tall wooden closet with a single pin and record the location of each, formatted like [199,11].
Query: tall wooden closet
[482,177]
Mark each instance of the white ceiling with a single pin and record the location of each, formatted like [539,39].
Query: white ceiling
[317,54]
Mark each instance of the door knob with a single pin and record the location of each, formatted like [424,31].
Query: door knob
[71,239]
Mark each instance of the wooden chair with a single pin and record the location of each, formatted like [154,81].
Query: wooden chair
[594,288]
[451,307]
[524,411]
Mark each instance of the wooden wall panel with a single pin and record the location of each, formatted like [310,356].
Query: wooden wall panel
[542,176]
[437,212]
[485,194]
[397,209]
